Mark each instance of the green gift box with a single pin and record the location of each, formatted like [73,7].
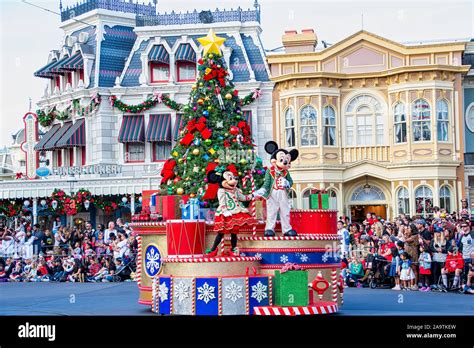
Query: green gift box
[319,201]
[291,288]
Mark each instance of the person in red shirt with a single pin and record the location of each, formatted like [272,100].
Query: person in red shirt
[454,264]
[386,246]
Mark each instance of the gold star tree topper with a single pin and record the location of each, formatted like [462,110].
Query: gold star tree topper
[211,43]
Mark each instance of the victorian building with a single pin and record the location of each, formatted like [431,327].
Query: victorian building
[128,50]
[378,124]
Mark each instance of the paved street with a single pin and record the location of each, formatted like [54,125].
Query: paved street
[121,299]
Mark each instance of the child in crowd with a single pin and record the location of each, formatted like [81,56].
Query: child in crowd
[454,264]
[424,261]
[406,274]
[355,271]
[395,268]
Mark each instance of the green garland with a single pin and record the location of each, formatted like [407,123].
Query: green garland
[147,104]
[46,119]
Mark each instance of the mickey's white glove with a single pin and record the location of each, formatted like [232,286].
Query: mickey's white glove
[260,192]
[227,213]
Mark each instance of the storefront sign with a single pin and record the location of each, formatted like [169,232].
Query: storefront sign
[31,138]
[92,169]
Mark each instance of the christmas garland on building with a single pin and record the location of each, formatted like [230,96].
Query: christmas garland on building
[157,98]
[46,118]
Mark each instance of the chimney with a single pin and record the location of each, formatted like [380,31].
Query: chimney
[293,42]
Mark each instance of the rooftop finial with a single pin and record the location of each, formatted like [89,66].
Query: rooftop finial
[60,5]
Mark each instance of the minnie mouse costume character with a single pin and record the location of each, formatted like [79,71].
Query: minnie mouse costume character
[230,214]
[276,189]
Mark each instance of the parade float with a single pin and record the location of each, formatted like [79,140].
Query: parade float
[190,262]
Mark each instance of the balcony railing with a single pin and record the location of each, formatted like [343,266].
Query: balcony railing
[370,153]
[196,17]
[147,15]
[112,5]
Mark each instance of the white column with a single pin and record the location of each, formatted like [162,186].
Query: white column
[412,197]
[340,200]
[35,210]
[436,201]
[434,126]
[132,204]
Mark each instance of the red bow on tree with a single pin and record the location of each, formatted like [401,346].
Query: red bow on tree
[216,73]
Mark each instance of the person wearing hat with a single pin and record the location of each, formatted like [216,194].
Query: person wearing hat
[454,264]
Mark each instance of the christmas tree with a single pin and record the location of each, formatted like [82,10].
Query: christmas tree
[216,133]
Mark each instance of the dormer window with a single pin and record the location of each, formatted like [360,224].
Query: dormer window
[159,61]
[185,58]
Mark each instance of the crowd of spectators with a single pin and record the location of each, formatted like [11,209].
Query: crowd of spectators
[432,254]
[67,254]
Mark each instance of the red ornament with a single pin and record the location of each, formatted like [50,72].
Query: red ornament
[234,130]
[236,92]
[176,180]
[200,61]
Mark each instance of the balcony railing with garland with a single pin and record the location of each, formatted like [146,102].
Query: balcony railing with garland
[112,5]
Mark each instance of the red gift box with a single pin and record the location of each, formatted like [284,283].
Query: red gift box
[170,206]
[314,222]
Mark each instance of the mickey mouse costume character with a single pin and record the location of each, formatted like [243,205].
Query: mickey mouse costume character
[230,214]
[276,189]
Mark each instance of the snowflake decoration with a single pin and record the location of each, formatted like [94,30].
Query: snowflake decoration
[152,260]
[258,255]
[304,258]
[163,292]
[242,254]
[206,293]
[259,291]
[220,124]
[182,291]
[325,257]
[233,292]
[283,258]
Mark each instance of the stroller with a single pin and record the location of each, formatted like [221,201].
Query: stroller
[127,268]
[379,272]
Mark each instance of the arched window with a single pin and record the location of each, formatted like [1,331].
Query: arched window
[400,123]
[424,200]
[403,201]
[293,200]
[290,127]
[365,113]
[445,198]
[329,124]
[372,193]
[309,126]
[421,120]
[442,119]
[470,117]
[332,199]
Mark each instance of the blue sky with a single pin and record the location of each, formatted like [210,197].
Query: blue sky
[27,34]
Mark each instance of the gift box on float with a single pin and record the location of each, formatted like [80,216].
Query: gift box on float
[291,288]
[146,197]
[185,238]
[191,210]
[319,200]
[171,206]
